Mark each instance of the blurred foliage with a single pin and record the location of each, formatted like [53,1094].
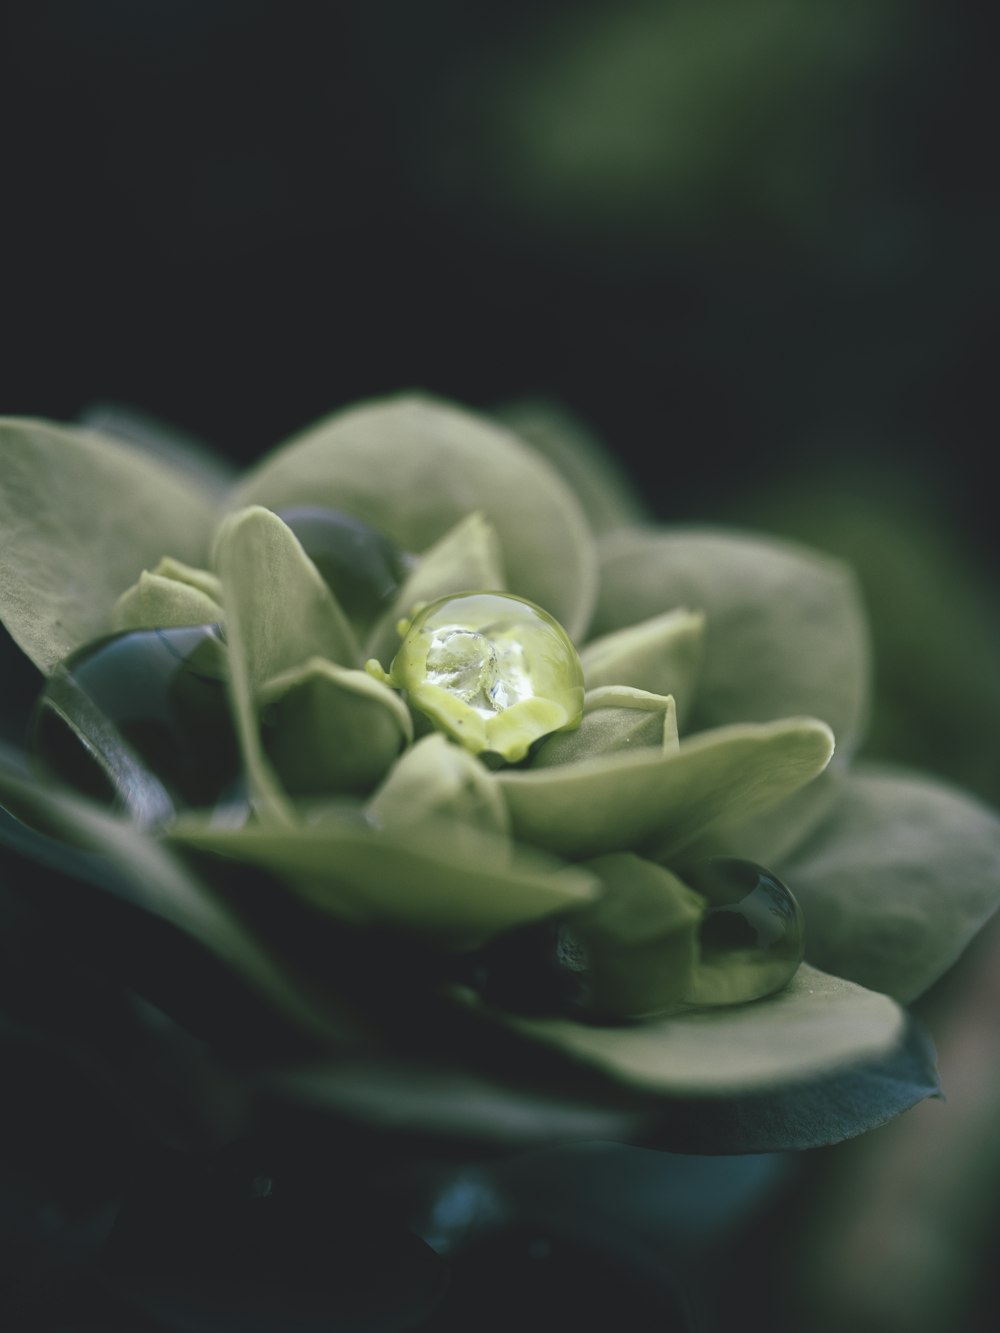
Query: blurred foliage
[931,595]
[727,235]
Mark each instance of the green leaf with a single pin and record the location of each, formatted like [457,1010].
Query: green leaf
[604,488]
[770,837]
[820,1110]
[329,730]
[785,630]
[435,780]
[658,803]
[815,1026]
[450,892]
[81,516]
[662,655]
[616,719]
[638,940]
[114,855]
[201,579]
[413,466]
[156,602]
[557,1101]
[897,881]
[457,1101]
[279,614]
[467,557]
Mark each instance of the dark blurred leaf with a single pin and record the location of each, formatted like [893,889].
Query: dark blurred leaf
[497,1097]
[152,911]
[898,880]
[254,1241]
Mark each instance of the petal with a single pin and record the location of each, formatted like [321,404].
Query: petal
[785,630]
[413,466]
[657,803]
[897,881]
[81,516]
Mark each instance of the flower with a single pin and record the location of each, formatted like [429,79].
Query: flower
[578,854]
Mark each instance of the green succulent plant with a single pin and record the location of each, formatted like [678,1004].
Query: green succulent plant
[473,754]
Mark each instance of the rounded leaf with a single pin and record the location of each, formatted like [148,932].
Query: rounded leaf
[81,516]
[414,466]
[785,630]
[897,881]
[659,802]
[814,1026]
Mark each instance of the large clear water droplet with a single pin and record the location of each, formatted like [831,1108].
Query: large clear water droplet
[363,568]
[493,671]
[752,938]
[141,720]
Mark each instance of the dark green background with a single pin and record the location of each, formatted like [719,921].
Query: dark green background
[746,243]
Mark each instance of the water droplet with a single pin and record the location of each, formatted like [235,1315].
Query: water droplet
[538,968]
[492,670]
[751,939]
[141,720]
[363,568]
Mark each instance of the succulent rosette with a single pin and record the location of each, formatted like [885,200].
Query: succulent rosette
[525,818]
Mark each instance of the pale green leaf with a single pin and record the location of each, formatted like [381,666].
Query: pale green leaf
[662,655]
[466,558]
[155,602]
[201,579]
[616,719]
[785,631]
[412,466]
[436,780]
[658,803]
[449,892]
[81,516]
[817,1025]
[279,614]
[638,939]
[897,881]
[329,730]
[770,837]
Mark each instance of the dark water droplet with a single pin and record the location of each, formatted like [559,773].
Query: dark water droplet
[752,938]
[536,969]
[141,720]
[363,568]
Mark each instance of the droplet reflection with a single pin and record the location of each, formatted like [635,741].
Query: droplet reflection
[752,938]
